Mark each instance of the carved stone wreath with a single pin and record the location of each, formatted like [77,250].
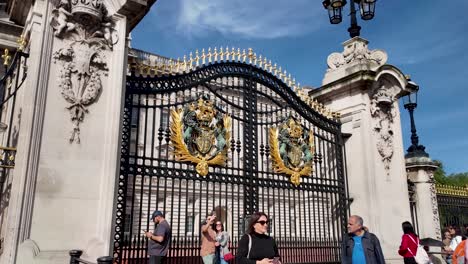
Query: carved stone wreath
[88,31]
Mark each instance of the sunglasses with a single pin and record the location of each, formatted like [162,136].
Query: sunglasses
[262,222]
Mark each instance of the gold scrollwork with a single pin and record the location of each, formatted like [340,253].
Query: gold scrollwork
[204,137]
[292,150]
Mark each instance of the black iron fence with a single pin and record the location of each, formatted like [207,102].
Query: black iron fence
[307,219]
[453,205]
[10,116]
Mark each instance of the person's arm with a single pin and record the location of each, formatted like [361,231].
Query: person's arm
[224,239]
[344,260]
[378,251]
[275,248]
[205,227]
[158,235]
[243,250]
[403,246]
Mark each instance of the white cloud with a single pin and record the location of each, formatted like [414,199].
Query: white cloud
[264,19]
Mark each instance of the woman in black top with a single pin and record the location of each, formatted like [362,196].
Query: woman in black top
[263,247]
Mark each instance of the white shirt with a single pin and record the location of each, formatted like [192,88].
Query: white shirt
[454,242]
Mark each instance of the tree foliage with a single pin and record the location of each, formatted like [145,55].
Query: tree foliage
[454,179]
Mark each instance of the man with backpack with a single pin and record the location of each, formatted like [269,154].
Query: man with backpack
[360,246]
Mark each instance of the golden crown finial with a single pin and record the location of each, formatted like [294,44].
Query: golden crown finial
[260,61]
[275,70]
[227,53]
[209,54]
[6,57]
[238,54]
[280,72]
[244,55]
[185,63]
[254,59]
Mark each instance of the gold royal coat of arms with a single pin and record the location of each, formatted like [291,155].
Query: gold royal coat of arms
[292,149]
[200,134]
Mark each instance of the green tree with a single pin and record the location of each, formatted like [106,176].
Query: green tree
[454,179]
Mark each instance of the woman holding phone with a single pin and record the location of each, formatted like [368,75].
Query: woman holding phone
[256,247]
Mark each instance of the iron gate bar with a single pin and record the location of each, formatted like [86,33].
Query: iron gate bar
[307,220]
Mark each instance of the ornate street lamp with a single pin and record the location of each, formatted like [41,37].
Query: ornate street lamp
[334,7]
[415,150]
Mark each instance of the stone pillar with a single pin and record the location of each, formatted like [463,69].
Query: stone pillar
[69,135]
[365,90]
[420,171]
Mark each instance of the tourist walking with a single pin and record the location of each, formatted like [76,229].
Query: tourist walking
[158,240]
[208,240]
[359,246]
[222,243]
[409,243]
[256,247]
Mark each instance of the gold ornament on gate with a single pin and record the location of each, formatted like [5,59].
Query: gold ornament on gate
[292,149]
[200,134]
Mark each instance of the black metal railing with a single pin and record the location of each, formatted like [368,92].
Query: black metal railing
[10,116]
[76,254]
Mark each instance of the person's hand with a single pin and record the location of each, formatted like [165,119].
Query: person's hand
[217,244]
[148,234]
[264,261]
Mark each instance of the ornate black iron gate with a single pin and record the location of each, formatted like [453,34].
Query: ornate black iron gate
[308,218]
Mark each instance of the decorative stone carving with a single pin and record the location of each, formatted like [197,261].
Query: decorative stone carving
[435,206]
[384,112]
[356,50]
[88,32]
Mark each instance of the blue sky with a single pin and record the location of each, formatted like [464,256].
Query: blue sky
[427,41]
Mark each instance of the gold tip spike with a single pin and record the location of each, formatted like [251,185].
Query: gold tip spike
[260,61]
[227,53]
[250,55]
[280,73]
[244,55]
[203,56]
[197,58]
[275,70]
[238,54]
[233,53]
[6,57]
[254,62]
[221,54]
[215,55]
[209,54]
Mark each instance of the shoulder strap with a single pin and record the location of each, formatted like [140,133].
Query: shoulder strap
[250,245]
[417,243]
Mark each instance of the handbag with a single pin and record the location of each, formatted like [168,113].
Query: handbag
[421,256]
[228,256]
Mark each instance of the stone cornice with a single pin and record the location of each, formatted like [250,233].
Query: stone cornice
[134,10]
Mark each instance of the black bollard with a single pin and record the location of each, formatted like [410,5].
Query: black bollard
[105,260]
[75,254]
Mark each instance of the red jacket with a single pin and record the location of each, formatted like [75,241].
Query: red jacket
[406,243]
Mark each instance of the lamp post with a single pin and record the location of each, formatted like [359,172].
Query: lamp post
[415,150]
[334,7]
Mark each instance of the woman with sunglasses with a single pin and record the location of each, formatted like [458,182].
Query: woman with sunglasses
[256,247]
